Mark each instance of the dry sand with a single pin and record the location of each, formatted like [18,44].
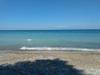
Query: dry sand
[89,62]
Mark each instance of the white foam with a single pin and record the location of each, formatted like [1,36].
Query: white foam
[29,40]
[57,48]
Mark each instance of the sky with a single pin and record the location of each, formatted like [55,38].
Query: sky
[49,14]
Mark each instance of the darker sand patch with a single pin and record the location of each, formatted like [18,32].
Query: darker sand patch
[40,67]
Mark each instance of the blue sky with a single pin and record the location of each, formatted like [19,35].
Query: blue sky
[49,14]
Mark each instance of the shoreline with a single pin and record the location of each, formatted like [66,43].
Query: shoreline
[25,48]
[53,50]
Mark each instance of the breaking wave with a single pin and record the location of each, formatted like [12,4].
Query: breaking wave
[57,48]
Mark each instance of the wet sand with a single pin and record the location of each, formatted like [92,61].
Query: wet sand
[89,62]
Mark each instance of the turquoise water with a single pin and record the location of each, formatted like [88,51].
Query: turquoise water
[83,39]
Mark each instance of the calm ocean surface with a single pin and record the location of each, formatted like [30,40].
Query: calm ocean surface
[38,39]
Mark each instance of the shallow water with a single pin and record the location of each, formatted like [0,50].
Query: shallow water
[30,39]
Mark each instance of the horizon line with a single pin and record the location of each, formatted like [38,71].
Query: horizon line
[48,29]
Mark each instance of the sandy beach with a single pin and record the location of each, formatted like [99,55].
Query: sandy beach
[88,62]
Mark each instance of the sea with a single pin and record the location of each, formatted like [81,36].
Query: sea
[83,40]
